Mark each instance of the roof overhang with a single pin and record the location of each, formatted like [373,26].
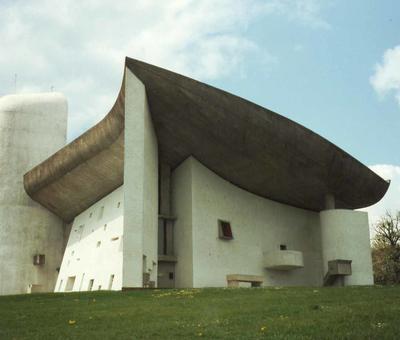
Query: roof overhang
[246,144]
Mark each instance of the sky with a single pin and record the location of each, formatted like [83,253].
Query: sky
[330,65]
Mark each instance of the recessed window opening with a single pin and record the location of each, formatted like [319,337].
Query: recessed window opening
[70,283]
[105,227]
[225,230]
[81,227]
[83,277]
[111,282]
[101,213]
[98,244]
[283,247]
[119,204]
[99,288]
[90,215]
[91,282]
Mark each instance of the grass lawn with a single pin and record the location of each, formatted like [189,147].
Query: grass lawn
[243,313]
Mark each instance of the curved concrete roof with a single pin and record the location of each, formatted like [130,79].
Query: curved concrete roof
[248,145]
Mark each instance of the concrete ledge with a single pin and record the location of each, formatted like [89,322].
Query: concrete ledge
[283,260]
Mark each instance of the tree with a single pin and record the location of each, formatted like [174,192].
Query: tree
[386,249]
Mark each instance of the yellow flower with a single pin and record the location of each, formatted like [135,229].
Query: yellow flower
[263,328]
[72,322]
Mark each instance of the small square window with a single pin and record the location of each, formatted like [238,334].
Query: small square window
[224,230]
[283,247]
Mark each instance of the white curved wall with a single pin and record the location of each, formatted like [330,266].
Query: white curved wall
[345,235]
[32,127]
[200,198]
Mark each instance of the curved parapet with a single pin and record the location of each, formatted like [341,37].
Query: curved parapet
[248,145]
[32,127]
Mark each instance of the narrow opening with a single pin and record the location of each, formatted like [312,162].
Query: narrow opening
[91,282]
[72,253]
[70,284]
[114,238]
[171,275]
[81,228]
[98,244]
[119,204]
[165,245]
[101,213]
[225,230]
[144,263]
[283,247]
[111,282]
[80,286]
[90,215]
[105,227]
[99,288]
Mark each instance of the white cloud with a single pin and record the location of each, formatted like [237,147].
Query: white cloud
[391,201]
[386,78]
[79,47]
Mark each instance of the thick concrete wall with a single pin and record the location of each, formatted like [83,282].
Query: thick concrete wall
[94,249]
[259,225]
[140,187]
[181,185]
[345,235]
[32,127]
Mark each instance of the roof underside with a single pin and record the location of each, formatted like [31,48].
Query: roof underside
[248,145]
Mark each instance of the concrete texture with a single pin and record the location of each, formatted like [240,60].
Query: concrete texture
[32,127]
[248,145]
[345,235]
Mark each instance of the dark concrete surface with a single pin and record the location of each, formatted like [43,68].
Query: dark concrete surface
[248,145]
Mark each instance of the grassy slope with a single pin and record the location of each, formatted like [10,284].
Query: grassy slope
[284,313]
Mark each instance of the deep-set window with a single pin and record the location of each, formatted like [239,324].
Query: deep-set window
[225,230]
[283,247]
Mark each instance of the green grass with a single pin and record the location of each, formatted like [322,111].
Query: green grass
[244,313]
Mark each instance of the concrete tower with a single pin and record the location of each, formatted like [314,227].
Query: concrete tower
[32,127]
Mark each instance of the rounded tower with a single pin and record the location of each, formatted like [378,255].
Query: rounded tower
[32,128]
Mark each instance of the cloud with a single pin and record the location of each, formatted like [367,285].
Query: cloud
[391,201]
[386,79]
[78,48]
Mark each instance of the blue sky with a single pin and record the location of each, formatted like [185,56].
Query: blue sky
[330,65]
[321,76]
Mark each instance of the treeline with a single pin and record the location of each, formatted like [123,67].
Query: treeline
[386,249]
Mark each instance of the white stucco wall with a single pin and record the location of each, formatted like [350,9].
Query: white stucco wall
[140,187]
[345,235]
[94,248]
[259,225]
[32,128]
[181,205]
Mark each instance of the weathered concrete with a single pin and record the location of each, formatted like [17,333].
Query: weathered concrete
[32,127]
[248,145]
